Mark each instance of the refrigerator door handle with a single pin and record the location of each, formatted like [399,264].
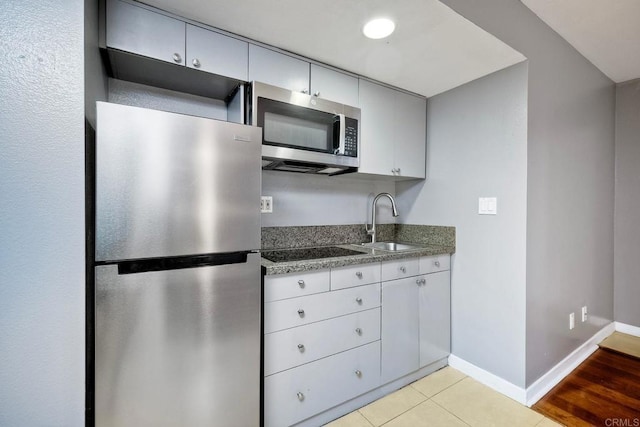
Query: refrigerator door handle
[179,262]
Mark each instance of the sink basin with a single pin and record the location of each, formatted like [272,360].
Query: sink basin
[391,246]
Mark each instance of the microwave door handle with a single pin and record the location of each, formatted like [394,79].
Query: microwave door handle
[341,134]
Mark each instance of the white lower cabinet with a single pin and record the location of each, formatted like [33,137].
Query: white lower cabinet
[299,393]
[400,330]
[336,338]
[416,321]
[296,346]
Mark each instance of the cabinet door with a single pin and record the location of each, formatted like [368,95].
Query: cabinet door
[400,330]
[376,129]
[277,69]
[137,30]
[410,135]
[435,317]
[216,53]
[334,85]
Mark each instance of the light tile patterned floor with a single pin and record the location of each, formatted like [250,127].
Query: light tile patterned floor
[445,398]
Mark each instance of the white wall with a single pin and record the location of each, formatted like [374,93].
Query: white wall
[570,186]
[627,212]
[477,147]
[300,199]
[42,323]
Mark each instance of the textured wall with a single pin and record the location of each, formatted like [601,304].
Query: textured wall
[138,95]
[570,183]
[477,147]
[627,223]
[42,213]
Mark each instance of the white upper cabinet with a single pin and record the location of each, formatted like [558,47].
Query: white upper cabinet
[216,53]
[137,30]
[376,129]
[334,85]
[277,69]
[393,132]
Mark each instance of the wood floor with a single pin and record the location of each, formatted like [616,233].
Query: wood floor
[603,391]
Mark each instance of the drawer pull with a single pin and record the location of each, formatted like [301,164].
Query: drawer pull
[300,396]
[301,347]
[301,283]
[359,274]
[358,331]
[437,263]
[358,374]
[418,282]
[359,300]
[423,281]
[301,313]
[404,270]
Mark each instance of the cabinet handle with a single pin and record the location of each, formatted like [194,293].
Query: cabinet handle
[393,171]
[437,263]
[301,313]
[300,396]
[301,283]
[398,170]
[196,63]
[359,274]
[358,373]
[359,300]
[423,281]
[305,90]
[177,58]
[403,269]
[316,93]
[301,347]
[418,282]
[358,331]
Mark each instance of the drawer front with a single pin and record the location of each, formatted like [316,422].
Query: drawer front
[401,268]
[433,264]
[289,313]
[283,286]
[355,275]
[299,393]
[296,346]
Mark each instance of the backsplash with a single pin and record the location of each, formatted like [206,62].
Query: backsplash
[325,235]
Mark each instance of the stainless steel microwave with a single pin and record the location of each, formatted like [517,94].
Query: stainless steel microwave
[304,133]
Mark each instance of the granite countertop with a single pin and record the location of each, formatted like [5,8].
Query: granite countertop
[367,255]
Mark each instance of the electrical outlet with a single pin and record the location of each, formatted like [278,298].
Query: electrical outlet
[266,204]
[584,313]
[572,320]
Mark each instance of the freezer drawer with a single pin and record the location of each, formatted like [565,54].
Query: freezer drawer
[178,347]
[169,184]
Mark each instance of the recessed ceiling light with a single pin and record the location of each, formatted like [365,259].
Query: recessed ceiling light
[378,28]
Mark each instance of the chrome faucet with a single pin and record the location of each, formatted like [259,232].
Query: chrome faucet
[372,231]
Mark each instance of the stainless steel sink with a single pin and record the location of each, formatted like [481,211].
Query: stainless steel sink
[391,246]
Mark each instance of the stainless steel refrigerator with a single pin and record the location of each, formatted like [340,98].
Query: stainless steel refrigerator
[177,276]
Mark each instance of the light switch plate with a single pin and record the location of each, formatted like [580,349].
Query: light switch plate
[488,206]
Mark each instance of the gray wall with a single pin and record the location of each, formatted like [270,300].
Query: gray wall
[138,95]
[42,213]
[320,200]
[627,212]
[570,183]
[477,147]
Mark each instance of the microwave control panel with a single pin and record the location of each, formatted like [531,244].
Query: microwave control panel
[351,137]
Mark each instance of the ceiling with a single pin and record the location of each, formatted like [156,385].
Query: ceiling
[606,32]
[432,50]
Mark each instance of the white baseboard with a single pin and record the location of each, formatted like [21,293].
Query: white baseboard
[535,391]
[628,329]
[549,380]
[487,378]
